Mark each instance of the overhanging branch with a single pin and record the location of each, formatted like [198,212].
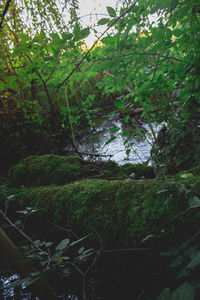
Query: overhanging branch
[99,38]
[4,12]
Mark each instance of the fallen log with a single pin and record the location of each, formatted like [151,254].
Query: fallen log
[121,213]
[54,169]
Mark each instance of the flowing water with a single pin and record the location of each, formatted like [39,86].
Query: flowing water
[134,139]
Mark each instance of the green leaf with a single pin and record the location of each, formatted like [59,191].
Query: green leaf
[114,129]
[195,201]
[77,32]
[119,104]
[149,236]
[177,262]
[100,84]
[164,295]
[162,191]
[12,82]
[177,32]
[184,292]
[126,118]
[128,151]
[48,244]
[2,86]
[81,250]
[194,262]
[55,36]
[80,240]
[103,21]
[159,34]
[67,36]
[63,244]
[110,140]
[85,32]
[183,273]
[77,29]
[172,252]
[111,11]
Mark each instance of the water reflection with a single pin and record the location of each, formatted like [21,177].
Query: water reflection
[130,143]
[10,291]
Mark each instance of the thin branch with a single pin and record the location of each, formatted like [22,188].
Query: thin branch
[143,53]
[40,76]
[140,295]
[20,231]
[5,12]
[96,256]
[63,229]
[96,155]
[196,234]
[99,38]
[89,15]
[50,75]
[125,250]
[187,210]
[156,68]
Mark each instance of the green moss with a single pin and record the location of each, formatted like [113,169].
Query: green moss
[122,172]
[54,169]
[140,170]
[120,213]
[46,169]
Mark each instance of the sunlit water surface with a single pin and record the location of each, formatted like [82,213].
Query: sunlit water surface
[138,140]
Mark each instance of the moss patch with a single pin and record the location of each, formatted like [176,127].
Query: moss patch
[54,169]
[121,213]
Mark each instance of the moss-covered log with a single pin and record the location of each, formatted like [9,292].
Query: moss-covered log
[54,169]
[122,213]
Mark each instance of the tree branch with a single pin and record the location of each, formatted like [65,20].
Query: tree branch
[4,12]
[99,38]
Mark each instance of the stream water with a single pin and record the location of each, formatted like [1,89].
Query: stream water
[134,139]
[137,140]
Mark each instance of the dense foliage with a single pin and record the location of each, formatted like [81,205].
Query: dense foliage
[150,59]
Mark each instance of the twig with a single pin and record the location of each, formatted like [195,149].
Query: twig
[156,68]
[63,229]
[144,53]
[42,80]
[125,250]
[4,12]
[71,125]
[57,62]
[20,231]
[99,38]
[140,295]
[96,155]
[91,266]
[97,255]
[186,211]
[75,267]
[196,234]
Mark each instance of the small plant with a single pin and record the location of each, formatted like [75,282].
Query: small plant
[48,258]
[186,265]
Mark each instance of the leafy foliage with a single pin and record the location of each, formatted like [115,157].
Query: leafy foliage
[143,63]
[186,262]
